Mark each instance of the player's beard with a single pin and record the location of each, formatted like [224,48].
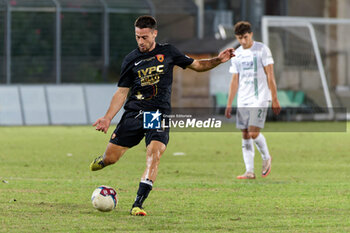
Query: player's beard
[147,49]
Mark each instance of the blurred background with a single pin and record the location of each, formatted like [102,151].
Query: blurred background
[60,59]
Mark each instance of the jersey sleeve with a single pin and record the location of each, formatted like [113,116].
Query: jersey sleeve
[125,75]
[233,68]
[179,58]
[266,56]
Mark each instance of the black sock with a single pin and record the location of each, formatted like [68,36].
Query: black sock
[142,194]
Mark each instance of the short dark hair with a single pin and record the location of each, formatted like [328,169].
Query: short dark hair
[146,21]
[242,27]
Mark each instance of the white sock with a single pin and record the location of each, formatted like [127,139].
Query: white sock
[261,144]
[248,154]
[147,181]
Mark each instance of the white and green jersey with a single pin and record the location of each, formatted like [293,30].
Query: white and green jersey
[249,63]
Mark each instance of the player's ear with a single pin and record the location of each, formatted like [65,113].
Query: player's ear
[155,33]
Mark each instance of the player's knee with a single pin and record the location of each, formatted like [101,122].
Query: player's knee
[155,152]
[110,159]
[156,147]
[253,135]
[245,135]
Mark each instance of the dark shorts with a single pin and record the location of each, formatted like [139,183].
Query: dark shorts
[129,132]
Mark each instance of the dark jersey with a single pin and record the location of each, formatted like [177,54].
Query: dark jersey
[150,76]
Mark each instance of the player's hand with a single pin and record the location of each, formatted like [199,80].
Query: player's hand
[226,55]
[228,112]
[102,124]
[276,107]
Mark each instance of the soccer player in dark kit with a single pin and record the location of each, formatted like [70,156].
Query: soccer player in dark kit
[147,73]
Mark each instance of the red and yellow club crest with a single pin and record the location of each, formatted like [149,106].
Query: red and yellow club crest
[160,57]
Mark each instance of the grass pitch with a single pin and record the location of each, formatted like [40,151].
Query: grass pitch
[46,185]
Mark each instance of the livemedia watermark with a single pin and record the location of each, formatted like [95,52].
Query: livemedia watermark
[214,120]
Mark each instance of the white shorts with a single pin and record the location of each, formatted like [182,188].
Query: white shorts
[252,116]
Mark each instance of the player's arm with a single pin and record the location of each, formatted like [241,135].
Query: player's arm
[118,99]
[207,64]
[231,94]
[276,108]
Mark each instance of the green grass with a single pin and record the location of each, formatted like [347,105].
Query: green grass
[308,189]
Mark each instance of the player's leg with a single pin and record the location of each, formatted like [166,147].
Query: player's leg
[256,123]
[127,134]
[156,142]
[260,142]
[242,119]
[248,155]
[261,145]
[155,151]
[112,154]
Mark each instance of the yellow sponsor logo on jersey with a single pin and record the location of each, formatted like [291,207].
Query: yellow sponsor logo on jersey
[150,75]
[150,70]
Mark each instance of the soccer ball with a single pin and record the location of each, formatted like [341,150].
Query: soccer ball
[104,198]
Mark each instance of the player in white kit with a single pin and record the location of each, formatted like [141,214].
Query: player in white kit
[254,83]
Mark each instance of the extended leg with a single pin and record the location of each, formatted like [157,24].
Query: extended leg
[112,154]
